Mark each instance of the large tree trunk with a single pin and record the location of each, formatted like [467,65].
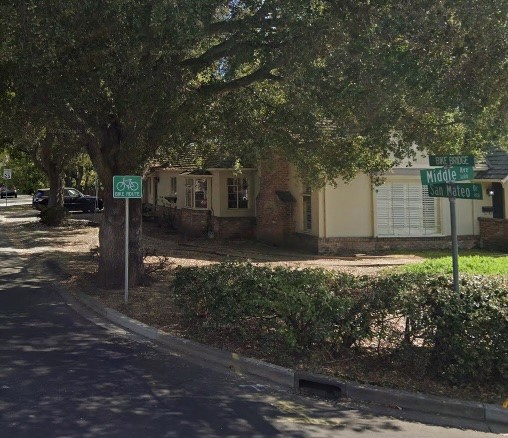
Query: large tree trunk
[112,242]
[53,168]
[110,159]
[56,198]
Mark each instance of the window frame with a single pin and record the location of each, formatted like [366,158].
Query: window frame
[190,189]
[240,186]
[173,186]
[307,209]
[404,209]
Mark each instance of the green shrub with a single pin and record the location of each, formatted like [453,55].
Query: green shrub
[303,304]
[455,336]
[54,216]
[465,332]
[223,295]
[296,304]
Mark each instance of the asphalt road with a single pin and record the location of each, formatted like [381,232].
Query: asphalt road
[20,200]
[69,374]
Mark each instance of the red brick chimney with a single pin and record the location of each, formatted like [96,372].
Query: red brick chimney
[274,203]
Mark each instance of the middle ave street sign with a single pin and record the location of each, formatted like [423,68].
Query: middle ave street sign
[446,174]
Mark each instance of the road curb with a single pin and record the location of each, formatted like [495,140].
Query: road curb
[480,416]
[204,353]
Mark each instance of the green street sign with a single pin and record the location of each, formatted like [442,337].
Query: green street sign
[446,174]
[460,191]
[451,160]
[127,186]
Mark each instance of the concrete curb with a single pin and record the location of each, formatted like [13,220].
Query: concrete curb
[480,416]
[475,414]
[204,353]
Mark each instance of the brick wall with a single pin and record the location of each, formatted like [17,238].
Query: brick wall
[493,234]
[352,245]
[234,227]
[194,222]
[168,216]
[274,218]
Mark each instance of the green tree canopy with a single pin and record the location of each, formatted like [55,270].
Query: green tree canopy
[337,87]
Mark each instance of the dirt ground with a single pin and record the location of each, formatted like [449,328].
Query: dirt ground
[67,254]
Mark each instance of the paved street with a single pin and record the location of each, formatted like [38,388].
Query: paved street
[20,200]
[66,374]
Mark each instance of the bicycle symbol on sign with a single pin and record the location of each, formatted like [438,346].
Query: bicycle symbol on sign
[127,184]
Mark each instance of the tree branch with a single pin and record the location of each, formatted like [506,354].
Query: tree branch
[221,88]
[232,26]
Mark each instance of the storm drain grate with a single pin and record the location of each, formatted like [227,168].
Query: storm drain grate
[323,390]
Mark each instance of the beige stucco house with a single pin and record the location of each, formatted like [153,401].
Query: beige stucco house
[270,203]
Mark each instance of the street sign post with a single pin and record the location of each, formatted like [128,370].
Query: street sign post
[127,187]
[446,174]
[441,182]
[451,160]
[7,175]
[459,191]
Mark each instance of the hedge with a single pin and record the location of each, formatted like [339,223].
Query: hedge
[459,336]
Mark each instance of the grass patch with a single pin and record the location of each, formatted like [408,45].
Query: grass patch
[470,262]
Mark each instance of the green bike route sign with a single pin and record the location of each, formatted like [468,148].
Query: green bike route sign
[459,191]
[446,174]
[127,186]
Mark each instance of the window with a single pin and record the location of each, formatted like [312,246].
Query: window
[238,195]
[172,186]
[196,192]
[307,209]
[72,193]
[405,209]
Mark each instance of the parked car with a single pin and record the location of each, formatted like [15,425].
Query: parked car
[74,200]
[8,192]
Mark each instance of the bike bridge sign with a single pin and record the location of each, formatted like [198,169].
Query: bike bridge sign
[127,186]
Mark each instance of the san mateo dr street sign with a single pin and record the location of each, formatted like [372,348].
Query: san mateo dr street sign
[446,174]
[460,191]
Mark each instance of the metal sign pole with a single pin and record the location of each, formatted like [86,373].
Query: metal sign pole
[455,246]
[126,187]
[126,250]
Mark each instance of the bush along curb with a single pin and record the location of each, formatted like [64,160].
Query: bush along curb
[430,409]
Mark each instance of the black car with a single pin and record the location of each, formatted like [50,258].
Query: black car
[74,200]
[8,192]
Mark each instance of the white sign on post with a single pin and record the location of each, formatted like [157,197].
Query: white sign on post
[7,173]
